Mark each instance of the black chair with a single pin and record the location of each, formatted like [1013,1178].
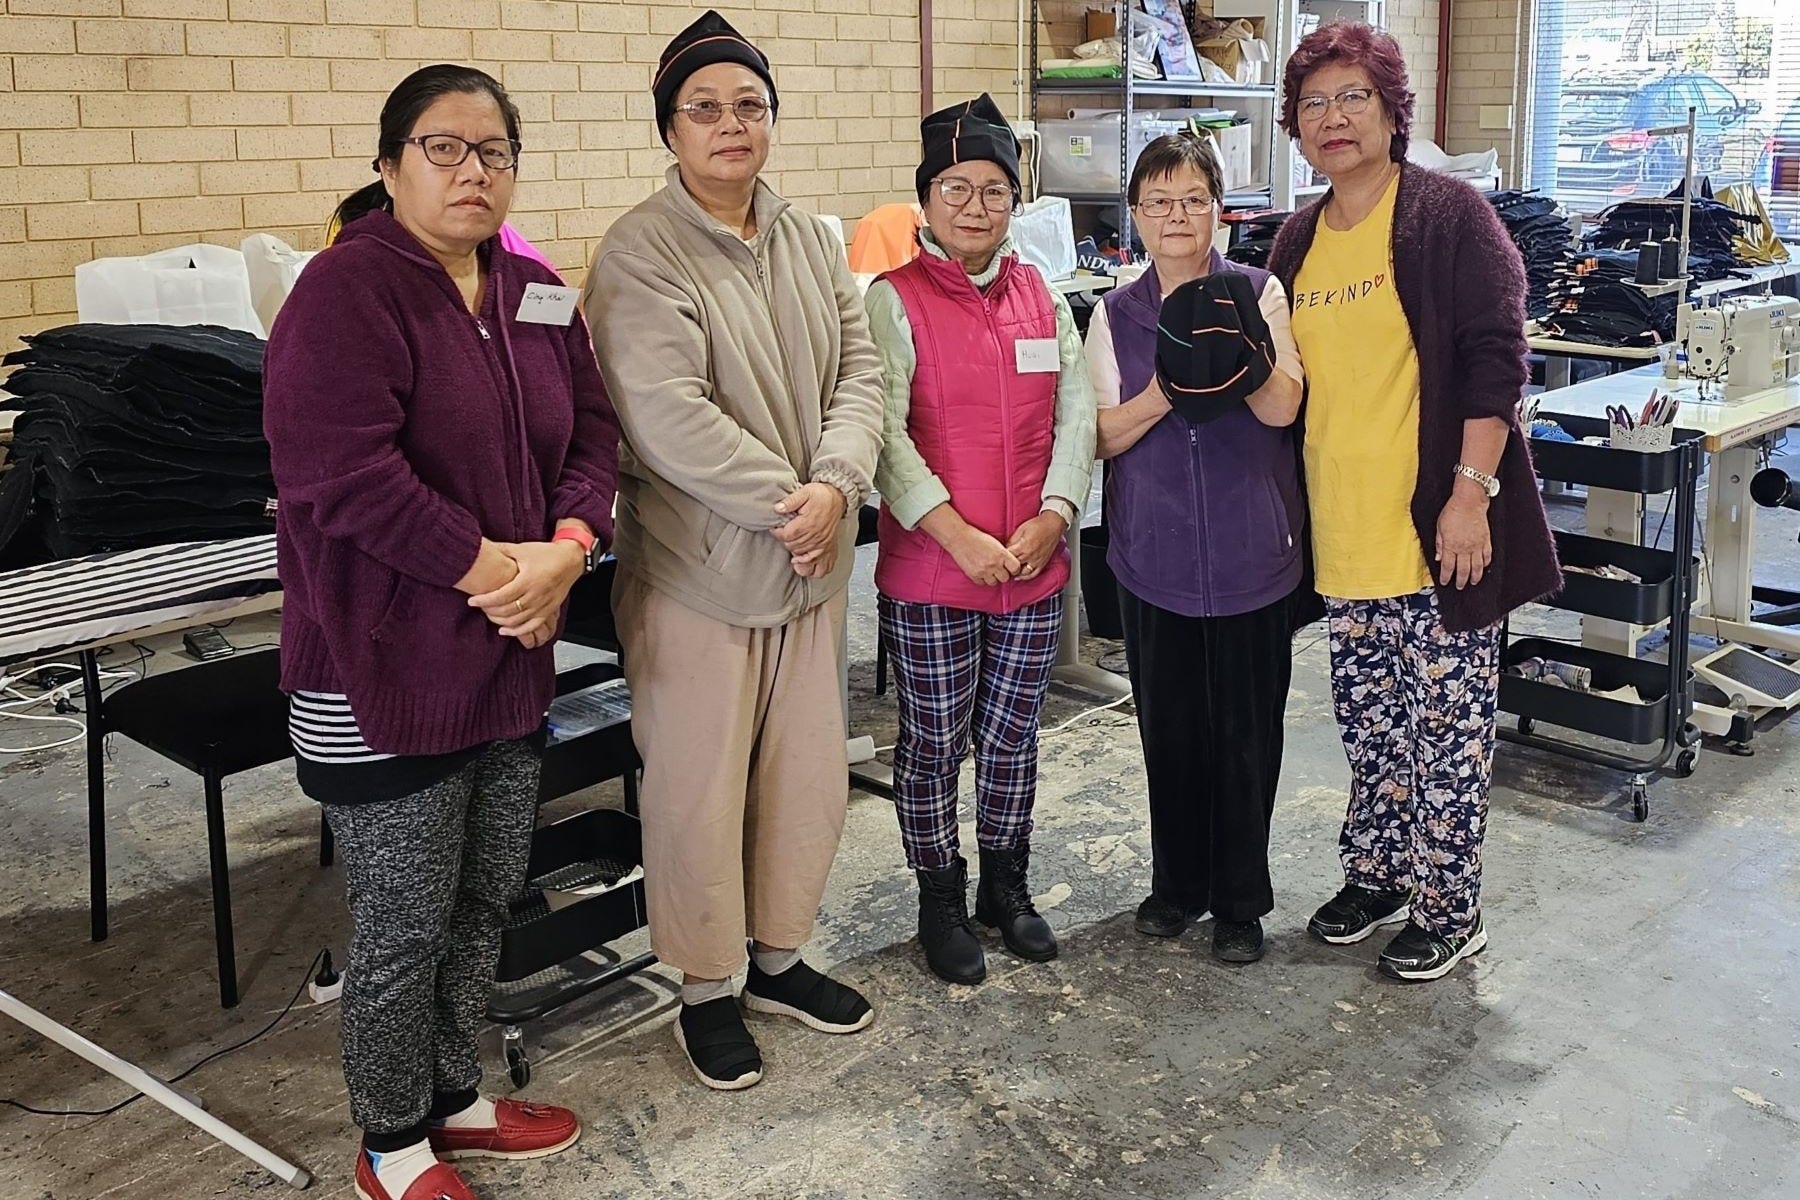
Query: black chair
[216,719]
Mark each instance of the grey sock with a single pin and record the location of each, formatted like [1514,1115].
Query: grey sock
[706,989]
[774,962]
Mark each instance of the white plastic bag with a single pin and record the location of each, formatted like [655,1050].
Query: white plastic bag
[190,285]
[1044,231]
[272,265]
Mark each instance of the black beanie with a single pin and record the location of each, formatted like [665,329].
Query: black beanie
[709,40]
[1213,346]
[965,132]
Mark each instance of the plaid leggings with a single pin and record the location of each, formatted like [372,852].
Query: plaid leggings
[954,668]
[1415,704]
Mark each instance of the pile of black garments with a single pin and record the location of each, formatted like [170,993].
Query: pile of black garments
[1594,300]
[133,435]
[1253,238]
[1540,230]
[1712,230]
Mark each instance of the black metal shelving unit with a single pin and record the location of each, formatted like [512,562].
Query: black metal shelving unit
[552,956]
[1666,593]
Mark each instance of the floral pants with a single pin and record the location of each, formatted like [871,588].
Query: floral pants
[1415,704]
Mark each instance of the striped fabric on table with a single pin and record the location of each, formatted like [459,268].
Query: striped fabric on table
[79,600]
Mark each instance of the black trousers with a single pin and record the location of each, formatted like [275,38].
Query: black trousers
[1211,696]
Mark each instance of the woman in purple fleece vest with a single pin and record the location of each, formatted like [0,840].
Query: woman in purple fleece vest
[446,459]
[1205,525]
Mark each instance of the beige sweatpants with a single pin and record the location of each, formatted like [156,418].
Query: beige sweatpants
[745,776]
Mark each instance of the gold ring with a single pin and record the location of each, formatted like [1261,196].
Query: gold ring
[518,606]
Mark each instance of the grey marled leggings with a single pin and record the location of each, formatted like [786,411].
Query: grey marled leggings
[429,877]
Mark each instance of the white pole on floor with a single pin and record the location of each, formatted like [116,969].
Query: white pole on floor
[154,1088]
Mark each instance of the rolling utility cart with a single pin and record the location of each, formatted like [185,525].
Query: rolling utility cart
[585,884]
[1661,715]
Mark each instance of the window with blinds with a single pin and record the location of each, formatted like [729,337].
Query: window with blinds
[1607,73]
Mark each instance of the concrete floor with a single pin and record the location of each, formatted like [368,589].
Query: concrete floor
[1633,1030]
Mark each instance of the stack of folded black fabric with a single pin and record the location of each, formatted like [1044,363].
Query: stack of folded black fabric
[1594,300]
[1541,231]
[134,435]
[1254,237]
[1711,229]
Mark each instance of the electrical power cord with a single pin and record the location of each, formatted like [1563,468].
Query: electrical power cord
[322,957]
[57,696]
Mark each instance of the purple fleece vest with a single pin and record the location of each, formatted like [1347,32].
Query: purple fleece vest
[1203,520]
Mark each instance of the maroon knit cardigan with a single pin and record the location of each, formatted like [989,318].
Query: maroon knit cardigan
[1461,283]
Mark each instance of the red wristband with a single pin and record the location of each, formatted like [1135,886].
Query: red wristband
[574,533]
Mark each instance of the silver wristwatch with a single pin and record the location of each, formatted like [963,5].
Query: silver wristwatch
[1488,483]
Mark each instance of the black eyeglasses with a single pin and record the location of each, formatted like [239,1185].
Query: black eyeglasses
[1350,102]
[1162,206]
[749,110]
[996,199]
[448,150]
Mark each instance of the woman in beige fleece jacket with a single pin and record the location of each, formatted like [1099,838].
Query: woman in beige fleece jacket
[735,348]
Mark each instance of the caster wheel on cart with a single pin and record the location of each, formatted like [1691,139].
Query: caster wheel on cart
[518,1066]
[1640,802]
[1526,725]
[1685,763]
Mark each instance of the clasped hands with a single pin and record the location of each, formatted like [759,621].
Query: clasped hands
[1024,556]
[810,532]
[521,586]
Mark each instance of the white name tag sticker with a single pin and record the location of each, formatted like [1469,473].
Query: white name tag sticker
[1036,356]
[548,304]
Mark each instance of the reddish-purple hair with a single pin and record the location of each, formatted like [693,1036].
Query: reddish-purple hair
[1355,44]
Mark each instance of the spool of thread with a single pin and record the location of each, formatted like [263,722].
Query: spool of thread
[1649,263]
[1670,264]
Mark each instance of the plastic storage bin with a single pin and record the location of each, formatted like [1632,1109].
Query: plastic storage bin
[1081,154]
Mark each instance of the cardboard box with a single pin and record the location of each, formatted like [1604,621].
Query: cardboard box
[1233,144]
[1100,23]
[1236,44]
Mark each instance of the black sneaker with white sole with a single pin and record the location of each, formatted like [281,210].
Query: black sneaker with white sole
[815,1000]
[1356,912]
[1416,954]
[718,1044]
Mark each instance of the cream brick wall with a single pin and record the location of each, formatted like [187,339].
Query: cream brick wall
[133,125]
[1414,24]
[1488,45]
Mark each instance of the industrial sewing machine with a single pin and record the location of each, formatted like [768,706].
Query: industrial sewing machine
[1749,345]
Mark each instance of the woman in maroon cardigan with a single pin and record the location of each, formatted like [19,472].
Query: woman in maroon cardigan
[1427,526]
[446,459]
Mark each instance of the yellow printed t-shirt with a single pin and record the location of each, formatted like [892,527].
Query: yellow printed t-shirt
[1362,412]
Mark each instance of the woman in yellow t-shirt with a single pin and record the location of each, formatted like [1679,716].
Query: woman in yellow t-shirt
[1426,524]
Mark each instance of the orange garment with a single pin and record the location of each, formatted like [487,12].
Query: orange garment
[885,239]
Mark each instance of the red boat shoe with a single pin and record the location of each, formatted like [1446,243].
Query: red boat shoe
[441,1182]
[520,1130]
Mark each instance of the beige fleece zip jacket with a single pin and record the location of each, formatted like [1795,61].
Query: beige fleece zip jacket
[740,370]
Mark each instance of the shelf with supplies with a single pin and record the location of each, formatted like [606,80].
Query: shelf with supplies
[1156,87]
[1091,130]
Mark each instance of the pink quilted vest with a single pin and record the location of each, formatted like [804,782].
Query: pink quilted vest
[985,429]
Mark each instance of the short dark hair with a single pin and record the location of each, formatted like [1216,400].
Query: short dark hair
[402,110]
[1165,156]
[1356,44]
